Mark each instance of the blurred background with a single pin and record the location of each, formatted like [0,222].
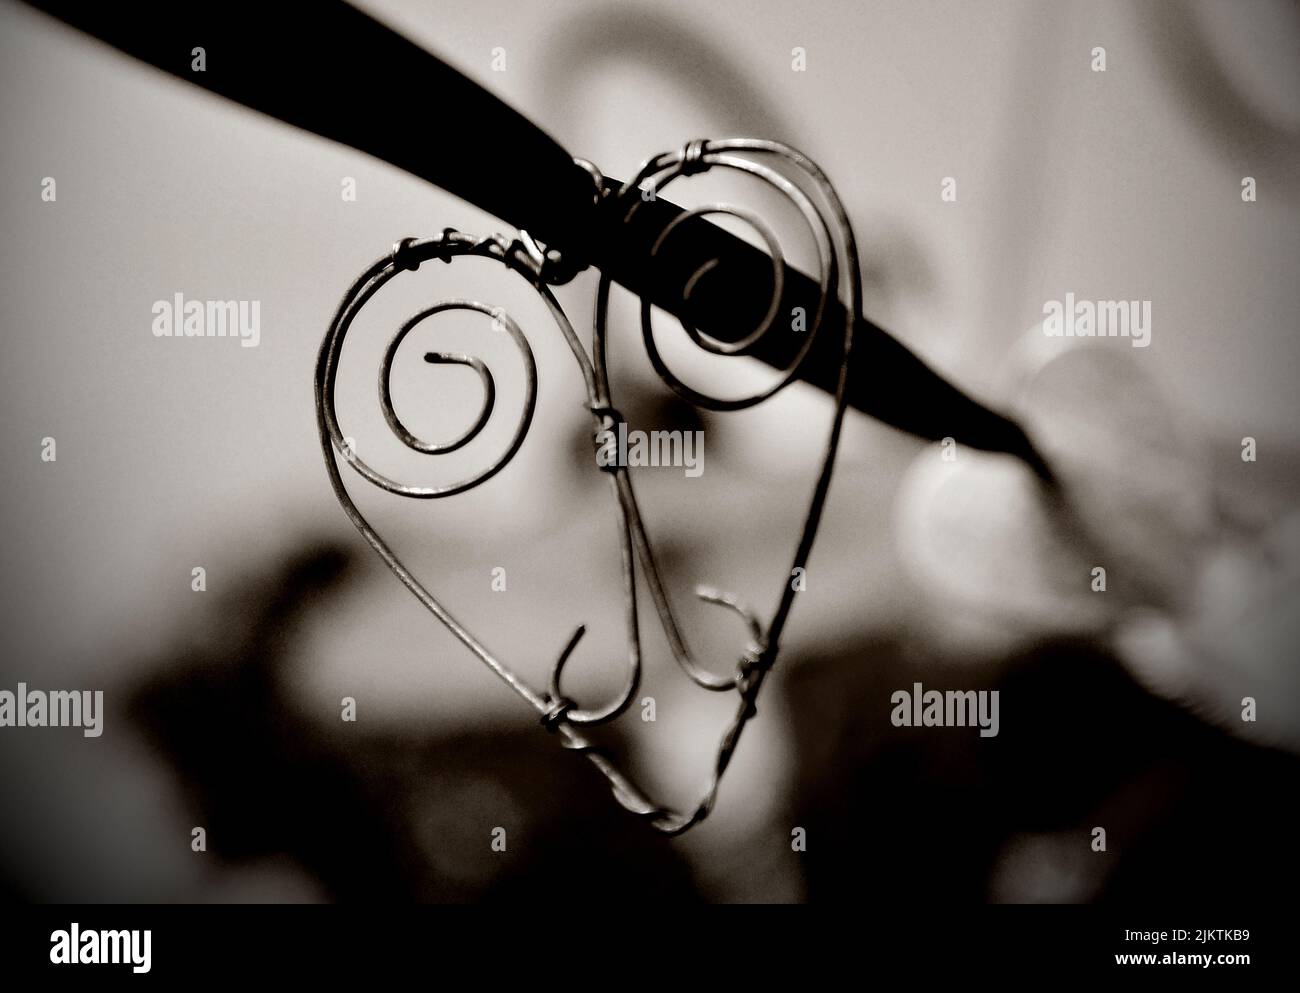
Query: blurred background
[223,706]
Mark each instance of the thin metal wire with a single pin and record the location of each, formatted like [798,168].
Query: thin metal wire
[559,712]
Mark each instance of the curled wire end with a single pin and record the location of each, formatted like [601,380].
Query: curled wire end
[755,658]
[569,710]
[732,602]
[558,668]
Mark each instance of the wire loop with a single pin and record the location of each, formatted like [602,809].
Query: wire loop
[559,712]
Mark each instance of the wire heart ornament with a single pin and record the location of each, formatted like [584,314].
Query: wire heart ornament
[560,713]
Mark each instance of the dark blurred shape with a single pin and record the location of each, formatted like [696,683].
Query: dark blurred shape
[938,814]
[381,815]
[918,815]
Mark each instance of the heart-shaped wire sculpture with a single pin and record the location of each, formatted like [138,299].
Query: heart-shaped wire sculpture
[560,713]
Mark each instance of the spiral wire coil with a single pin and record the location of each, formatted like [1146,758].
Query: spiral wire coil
[559,712]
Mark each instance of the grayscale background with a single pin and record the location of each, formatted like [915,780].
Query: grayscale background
[223,706]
